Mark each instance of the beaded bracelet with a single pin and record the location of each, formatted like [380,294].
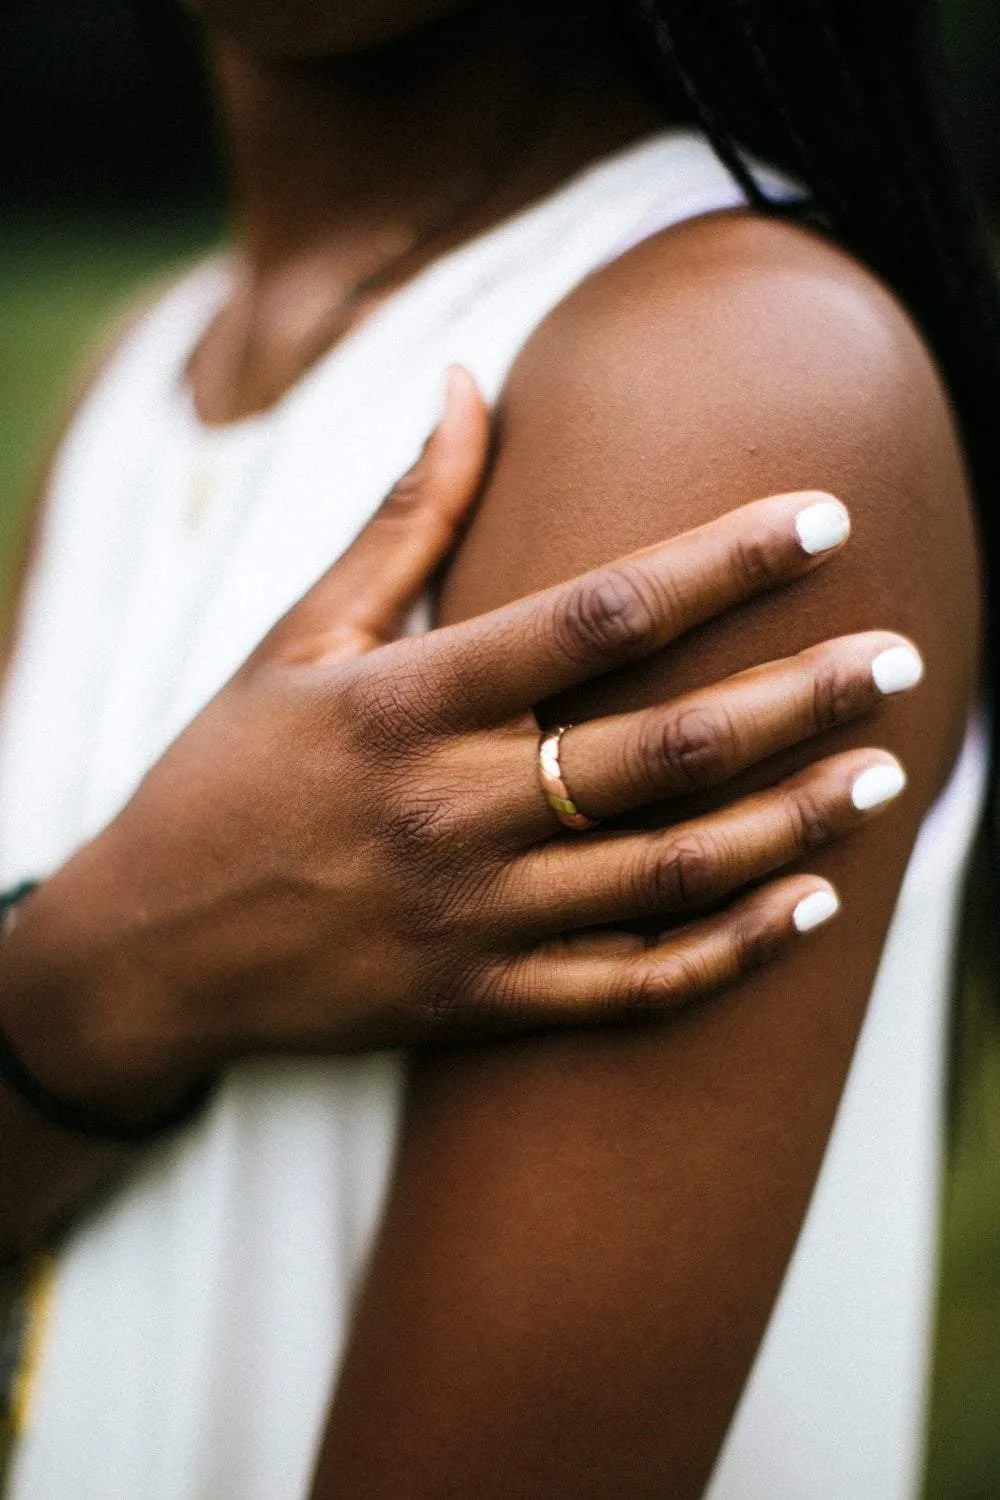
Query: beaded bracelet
[80,1119]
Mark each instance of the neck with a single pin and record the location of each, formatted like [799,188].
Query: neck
[329,152]
[375,165]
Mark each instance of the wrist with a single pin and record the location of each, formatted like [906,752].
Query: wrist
[82,1023]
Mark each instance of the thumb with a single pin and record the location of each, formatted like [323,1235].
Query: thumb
[360,602]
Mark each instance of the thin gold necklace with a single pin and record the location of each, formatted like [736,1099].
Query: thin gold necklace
[339,319]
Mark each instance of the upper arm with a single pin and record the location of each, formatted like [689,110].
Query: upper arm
[586,1232]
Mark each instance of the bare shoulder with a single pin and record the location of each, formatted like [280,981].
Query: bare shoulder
[587,1232]
[725,359]
[770,322]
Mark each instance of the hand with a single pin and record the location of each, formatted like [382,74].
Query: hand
[349,847]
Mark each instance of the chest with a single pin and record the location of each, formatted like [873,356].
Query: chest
[172,548]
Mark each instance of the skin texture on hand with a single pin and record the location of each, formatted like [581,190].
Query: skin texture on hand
[340,785]
[586,1233]
[229,908]
[561,1203]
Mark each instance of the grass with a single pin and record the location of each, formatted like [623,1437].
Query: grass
[56,290]
[963,1454]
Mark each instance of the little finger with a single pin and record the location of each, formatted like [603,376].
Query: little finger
[602,976]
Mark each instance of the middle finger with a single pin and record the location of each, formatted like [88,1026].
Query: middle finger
[626,761]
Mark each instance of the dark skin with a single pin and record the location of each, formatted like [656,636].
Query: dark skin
[373,143]
[167,945]
[492,1354]
[586,1233]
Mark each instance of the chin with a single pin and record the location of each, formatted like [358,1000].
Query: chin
[302,29]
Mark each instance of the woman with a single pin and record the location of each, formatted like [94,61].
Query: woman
[585,1233]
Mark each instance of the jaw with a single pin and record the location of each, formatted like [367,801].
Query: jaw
[300,30]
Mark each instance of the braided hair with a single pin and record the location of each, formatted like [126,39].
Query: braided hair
[839,94]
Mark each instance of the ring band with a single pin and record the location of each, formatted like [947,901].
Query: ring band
[557,793]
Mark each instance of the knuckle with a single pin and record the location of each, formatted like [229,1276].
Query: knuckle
[693,747]
[810,820]
[484,999]
[670,981]
[421,824]
[465,906]
[683,875]
[442,1006]
[490,994]
[836,694]
[650,988]
[406,498]
[608,614]
[756,941]
[391,705]
[758,561]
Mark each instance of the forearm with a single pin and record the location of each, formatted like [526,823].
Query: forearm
[59,999]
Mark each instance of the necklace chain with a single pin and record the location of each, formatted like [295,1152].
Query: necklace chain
[338,320]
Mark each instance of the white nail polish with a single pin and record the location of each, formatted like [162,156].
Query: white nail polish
[812,911]
[822,526]
[897,669]
[877,785]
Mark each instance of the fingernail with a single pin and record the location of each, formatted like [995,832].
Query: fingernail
[897,669]
[822,526]
[812,911]
[877,785]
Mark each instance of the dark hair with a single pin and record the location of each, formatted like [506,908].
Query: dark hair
[839,93]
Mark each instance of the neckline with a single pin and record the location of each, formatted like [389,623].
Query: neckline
[468,252]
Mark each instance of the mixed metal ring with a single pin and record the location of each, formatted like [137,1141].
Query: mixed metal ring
[554,788]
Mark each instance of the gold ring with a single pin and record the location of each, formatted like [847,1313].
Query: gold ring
[557,793]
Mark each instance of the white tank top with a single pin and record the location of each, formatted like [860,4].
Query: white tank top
[198,1317]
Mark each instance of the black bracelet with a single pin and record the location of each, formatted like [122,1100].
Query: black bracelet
[10,899]
[80,1119]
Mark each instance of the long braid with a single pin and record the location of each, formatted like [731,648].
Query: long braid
[711,121]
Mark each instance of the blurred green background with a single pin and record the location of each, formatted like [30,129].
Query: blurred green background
[108,179]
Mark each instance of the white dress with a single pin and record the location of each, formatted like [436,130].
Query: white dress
[197,1319]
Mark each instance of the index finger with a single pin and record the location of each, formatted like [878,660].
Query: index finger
[496,665]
